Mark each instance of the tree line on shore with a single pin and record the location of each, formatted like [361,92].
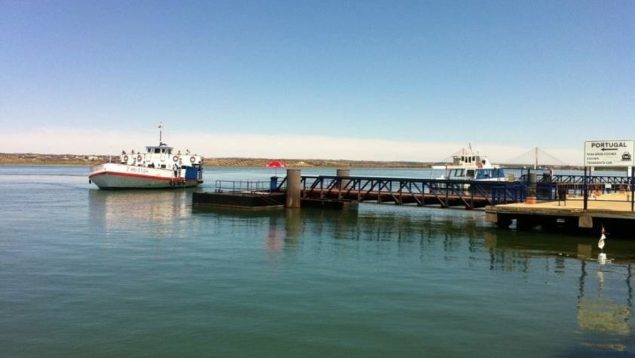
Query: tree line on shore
[93,159]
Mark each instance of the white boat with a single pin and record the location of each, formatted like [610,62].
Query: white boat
[159,167]
[468,165]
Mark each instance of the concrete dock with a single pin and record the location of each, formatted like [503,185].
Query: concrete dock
[612,211]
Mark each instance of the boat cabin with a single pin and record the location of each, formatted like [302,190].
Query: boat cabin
[163,157]
[161,149]
[469,160]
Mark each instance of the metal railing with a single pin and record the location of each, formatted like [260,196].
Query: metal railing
[471,194]
[422,192]
[241,186]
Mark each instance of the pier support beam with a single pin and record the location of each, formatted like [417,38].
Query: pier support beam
[294,184]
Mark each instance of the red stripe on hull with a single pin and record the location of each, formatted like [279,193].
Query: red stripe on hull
[132,175]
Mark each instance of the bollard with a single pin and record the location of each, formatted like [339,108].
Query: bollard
[294,181]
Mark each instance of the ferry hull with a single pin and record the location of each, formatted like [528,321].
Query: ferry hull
[119,176]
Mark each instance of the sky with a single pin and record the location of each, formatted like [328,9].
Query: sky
[359,80]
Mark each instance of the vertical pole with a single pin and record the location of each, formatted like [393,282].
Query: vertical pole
[585,189]
[447,193]
[294,181]
[632,188]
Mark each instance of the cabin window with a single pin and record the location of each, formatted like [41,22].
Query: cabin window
[470,173]
[456,173]
[163,166]
[157,150]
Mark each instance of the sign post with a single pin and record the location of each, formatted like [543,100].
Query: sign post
[585,191]
[609,153]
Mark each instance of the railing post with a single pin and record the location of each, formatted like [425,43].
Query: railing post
[447,193]
[632,188]
[585,189]
[321,187]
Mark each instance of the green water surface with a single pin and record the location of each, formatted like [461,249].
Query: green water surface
[85,272]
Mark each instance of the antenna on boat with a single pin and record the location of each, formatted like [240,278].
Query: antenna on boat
[160,133]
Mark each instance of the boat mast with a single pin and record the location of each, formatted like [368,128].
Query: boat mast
[160,133]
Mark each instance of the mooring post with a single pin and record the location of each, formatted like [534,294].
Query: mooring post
[294,181]
[343,183]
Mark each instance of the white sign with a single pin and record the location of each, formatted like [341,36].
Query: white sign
[609,153]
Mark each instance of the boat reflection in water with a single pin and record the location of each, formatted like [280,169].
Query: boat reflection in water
[159,212]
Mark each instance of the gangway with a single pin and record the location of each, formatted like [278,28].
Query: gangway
[442,193]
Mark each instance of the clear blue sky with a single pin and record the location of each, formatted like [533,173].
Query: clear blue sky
[509,73]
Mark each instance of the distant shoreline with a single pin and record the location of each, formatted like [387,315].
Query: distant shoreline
[25,159]
[89,160]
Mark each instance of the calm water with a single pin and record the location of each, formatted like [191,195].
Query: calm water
[85,272]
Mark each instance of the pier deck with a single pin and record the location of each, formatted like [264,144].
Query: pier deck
[613,211]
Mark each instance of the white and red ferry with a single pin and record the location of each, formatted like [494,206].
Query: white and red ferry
[159,167]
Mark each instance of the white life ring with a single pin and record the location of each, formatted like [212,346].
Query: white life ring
[125,158]
[192,159]
[139,157]
[175,158]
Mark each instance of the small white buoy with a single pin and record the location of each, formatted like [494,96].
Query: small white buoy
[602,258]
